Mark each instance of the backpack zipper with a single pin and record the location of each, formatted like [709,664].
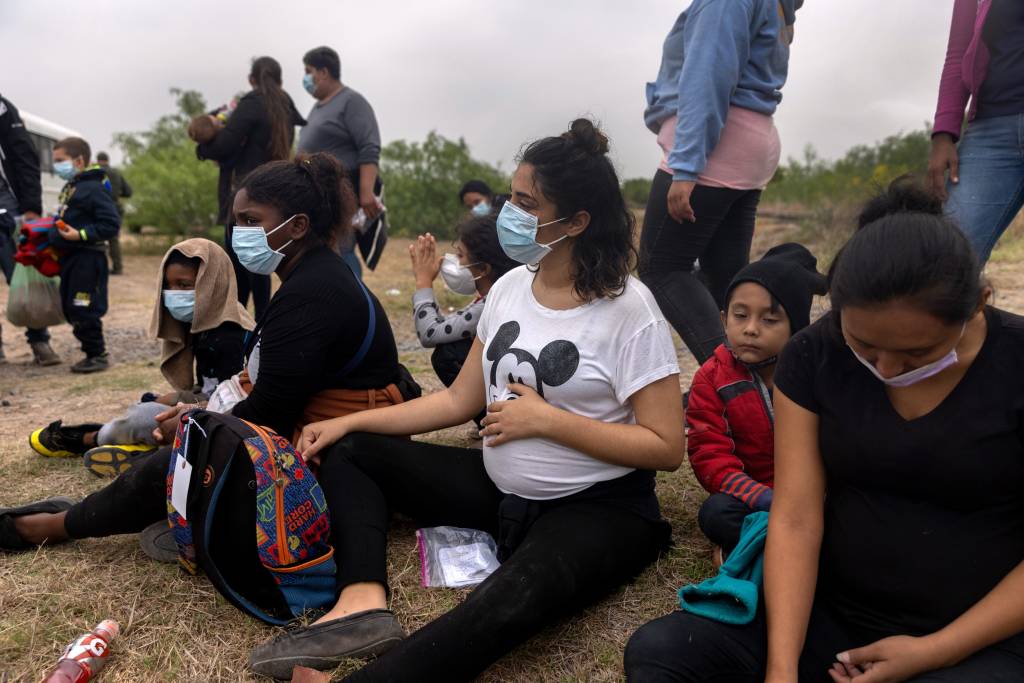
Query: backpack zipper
[284,556]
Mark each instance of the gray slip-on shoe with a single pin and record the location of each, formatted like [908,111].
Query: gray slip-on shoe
[157,541]
[324,646]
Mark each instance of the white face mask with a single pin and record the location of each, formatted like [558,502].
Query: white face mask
[917,374]
[458,277]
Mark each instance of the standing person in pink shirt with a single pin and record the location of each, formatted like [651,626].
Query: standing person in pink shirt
[722,69]
[984,66]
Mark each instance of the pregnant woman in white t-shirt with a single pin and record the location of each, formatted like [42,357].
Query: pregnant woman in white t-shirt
[576,367]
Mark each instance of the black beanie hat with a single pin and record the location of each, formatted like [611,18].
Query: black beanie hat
[789,273]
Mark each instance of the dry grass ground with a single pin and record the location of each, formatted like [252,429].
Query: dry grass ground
[175,627]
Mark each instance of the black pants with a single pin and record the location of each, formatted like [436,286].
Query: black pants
[448,359]
[685,648]
[721,519]
[116,260]
[126,505]
[572,555]
[83,294]
[720,239]
[248,282]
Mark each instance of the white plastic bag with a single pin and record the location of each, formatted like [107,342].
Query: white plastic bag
[455,557]
[226,395]
[34,299]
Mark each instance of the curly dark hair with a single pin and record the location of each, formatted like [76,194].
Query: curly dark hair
[314,184]
[573,170]
[479,235]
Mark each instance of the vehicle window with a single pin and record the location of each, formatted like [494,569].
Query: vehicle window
[44,148]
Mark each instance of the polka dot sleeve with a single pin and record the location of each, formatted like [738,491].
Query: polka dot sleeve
[433,329]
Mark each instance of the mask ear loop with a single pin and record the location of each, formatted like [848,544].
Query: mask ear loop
[285,245]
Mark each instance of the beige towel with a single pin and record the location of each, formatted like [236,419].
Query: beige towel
[216,303]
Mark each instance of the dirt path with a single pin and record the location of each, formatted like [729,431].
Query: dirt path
[175,626]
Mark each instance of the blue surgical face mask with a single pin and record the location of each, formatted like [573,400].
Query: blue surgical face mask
[64,169]
[481,209]
[308,84]
[253,250]
[180,303]
[517,234]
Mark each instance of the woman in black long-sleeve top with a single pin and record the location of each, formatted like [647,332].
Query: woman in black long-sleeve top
[261,129]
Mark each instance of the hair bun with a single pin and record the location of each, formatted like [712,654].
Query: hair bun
[588,137]
[904,195]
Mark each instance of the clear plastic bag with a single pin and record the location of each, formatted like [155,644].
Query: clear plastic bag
[455,557]
[34,299]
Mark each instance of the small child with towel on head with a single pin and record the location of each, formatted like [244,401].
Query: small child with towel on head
[203,329]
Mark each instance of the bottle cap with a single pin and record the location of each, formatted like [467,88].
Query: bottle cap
[110,626]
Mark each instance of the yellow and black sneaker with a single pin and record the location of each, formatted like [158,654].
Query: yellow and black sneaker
[113,461]
[58,441]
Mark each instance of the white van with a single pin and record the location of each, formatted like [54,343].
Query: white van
[44,135]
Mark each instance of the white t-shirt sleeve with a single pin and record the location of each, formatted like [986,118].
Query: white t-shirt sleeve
[495,300]
[648,356]
[483,324]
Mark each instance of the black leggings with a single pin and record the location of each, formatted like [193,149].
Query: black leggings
[720,238]
[574,553]
[126,505]
[684,648]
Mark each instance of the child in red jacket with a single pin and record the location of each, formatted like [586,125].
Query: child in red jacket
[729,416]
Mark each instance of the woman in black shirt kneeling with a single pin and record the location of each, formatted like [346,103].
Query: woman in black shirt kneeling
[895,544]
[323,348]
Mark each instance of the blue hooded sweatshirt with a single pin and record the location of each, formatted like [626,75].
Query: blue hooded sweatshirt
[718,53]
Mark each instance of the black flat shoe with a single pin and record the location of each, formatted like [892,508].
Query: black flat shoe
[9,538]
[324,646]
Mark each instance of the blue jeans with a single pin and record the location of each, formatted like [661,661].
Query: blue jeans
[991,187]
[349,256]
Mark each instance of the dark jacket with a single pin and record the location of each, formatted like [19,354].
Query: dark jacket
[87,206]
[245,139]
[19,159]
[119,187]
[730,431]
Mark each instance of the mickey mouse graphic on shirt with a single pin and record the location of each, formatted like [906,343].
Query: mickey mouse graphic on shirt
[556,364]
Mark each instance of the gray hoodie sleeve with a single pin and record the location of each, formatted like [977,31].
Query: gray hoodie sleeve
[432,328]
[362,125]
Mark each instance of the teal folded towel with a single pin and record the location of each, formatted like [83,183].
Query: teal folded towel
[732,596]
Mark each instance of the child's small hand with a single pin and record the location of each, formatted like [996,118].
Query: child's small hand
[425,263]
[67,232]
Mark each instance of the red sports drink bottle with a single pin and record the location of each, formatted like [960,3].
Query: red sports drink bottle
[85,657]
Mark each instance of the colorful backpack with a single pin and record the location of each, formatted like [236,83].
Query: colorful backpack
[246,510]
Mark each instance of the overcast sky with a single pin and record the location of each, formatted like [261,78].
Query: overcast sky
[495,73]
